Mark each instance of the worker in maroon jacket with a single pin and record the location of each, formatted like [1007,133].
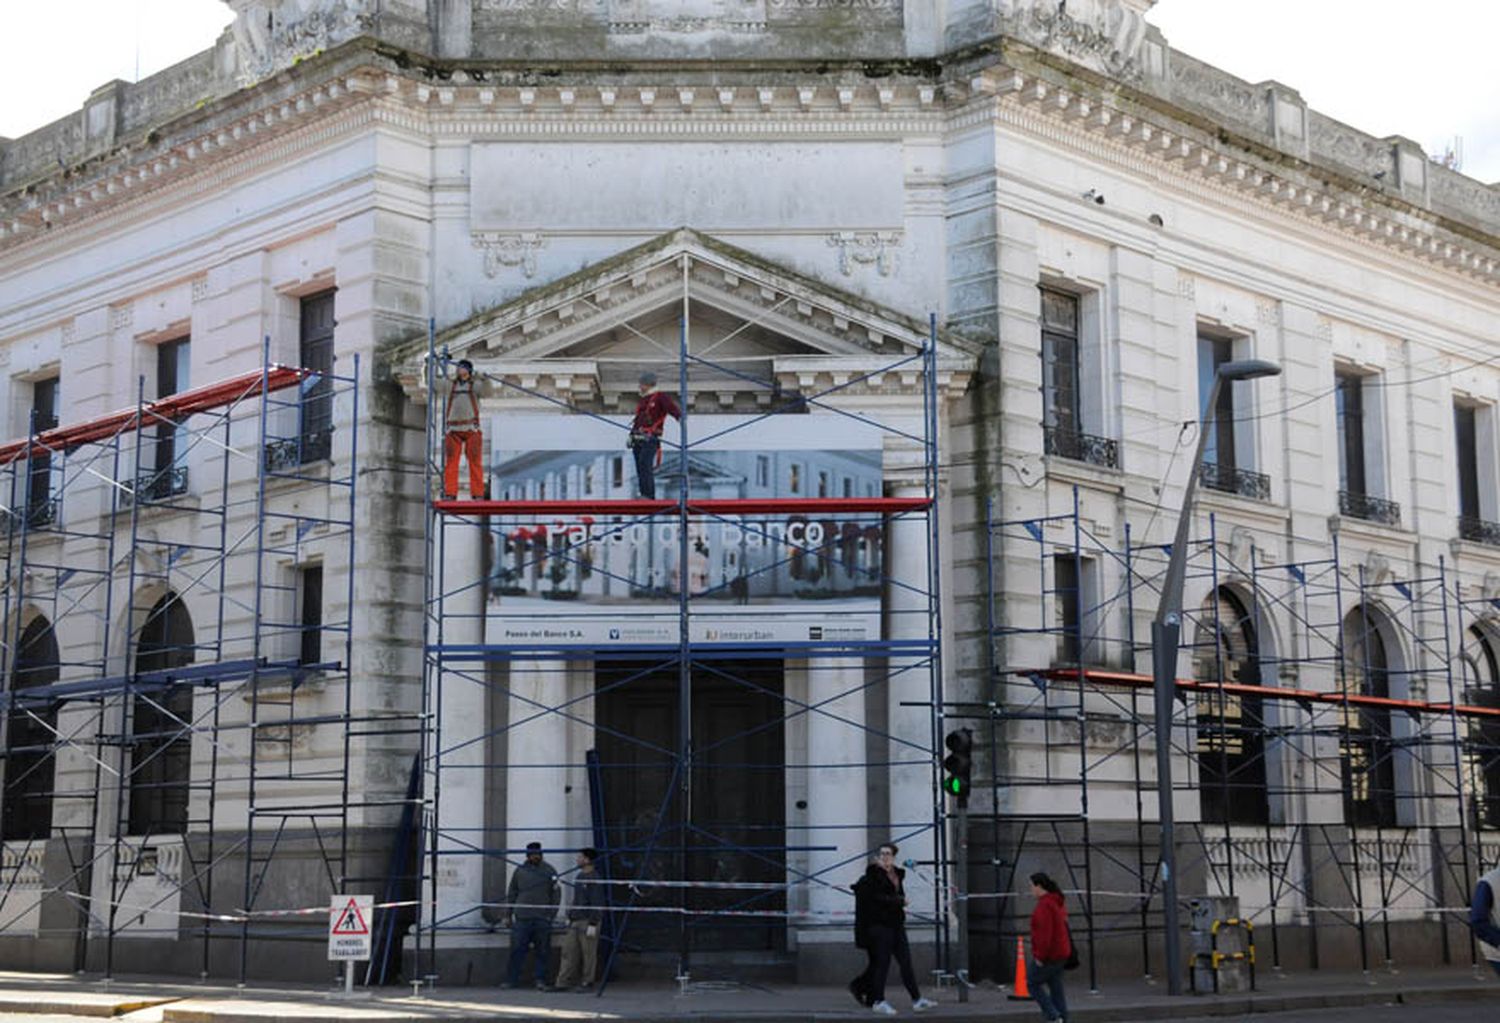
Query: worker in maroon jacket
[651,414]
[1051,948]
[462,436]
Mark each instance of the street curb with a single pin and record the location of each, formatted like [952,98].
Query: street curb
[181,1008]
[91,1006]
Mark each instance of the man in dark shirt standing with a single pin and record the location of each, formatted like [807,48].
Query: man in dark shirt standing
[530,905]
[580,949]
[651,414]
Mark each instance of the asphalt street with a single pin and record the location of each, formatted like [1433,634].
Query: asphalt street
[1426,1013]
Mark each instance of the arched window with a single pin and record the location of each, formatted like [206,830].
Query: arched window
[1367,750]
[29,736]
[1231,727]
[160,741]
[1482,750]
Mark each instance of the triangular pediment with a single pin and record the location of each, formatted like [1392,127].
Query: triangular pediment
[750,322]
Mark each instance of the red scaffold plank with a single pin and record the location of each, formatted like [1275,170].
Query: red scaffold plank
[1121,678]
[715,506]
[559,508]
[175,407]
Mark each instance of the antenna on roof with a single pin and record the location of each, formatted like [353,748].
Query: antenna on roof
[1452,154]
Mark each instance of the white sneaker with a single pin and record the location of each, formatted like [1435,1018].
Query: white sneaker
[883,1009]
[923,1004]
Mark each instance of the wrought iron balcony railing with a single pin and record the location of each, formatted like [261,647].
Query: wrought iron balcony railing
[1083,447]
[158,485]
[41,512]
[1479,530]
[1235,481]
[1371,509]
[291,452]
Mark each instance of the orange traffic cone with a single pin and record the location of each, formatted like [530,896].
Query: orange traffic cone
[1019,991]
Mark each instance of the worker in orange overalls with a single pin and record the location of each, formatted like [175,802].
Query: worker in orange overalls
[651,414]
[462,436]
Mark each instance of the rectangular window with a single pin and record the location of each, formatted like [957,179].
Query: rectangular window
[617,472]
[794,480]
[1362,486]
[762,471]
[168,473]
[310,614]
[848,490]
[40,508]
[1466,437]
[315,352]
[1349,391]
[1060,378]
[1073,588]
[1213,352]
[823,484]
[588,480]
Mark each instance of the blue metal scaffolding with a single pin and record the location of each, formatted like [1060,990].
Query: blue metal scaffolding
[138,739]
[651,873]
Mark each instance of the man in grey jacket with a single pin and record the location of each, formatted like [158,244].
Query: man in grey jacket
[585,914]
[530,907]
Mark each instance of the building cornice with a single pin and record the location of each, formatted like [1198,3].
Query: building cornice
[1103,126]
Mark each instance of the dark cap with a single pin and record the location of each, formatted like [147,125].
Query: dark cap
[466,364]
[648,379]
[533,847]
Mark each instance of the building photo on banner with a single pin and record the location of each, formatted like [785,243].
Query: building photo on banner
[602,579]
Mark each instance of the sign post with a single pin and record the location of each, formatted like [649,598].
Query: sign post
[349,919]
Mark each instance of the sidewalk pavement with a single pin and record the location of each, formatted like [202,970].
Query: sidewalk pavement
[159,1000]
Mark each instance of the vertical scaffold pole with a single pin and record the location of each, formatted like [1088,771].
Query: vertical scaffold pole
[684,647]
[127,689]
[426,810]
[1458,741]
[257,653]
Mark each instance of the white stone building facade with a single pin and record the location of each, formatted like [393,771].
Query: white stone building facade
[1089,213]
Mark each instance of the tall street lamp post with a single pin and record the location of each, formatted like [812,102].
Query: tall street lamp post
[1166,631]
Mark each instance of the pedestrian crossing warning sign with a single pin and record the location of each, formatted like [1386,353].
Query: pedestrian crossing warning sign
[349,926]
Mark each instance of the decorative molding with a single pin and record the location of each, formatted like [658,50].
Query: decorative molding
[1104,35]
[200,288]
[502,250]
[1268,312]
[877,248]
[1324,328]
[273,34]
[69,331]
[121,317]
[1187,286]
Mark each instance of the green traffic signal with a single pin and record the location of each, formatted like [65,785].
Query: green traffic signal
[959,763]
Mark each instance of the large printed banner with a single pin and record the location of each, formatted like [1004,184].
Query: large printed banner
[601,580]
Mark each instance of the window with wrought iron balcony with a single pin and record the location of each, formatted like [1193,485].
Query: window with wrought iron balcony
[1360,446]
[1230,431]
[1473,434]
[1065,378]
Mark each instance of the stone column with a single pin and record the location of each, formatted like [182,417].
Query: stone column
[461,744]
[837,792]
[909,727]
[536,775]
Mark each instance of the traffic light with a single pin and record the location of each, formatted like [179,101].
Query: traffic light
[958,765]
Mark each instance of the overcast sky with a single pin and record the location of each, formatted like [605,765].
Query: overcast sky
[1389,67]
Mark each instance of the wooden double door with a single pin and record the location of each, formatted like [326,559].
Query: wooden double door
[727,827]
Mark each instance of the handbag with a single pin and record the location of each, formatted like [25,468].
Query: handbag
[1072,962]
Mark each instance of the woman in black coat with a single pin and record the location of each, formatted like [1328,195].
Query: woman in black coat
[880,929]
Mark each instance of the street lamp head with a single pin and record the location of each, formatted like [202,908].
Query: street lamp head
[1248,369]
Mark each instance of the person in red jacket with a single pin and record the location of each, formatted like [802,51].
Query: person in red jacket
[1051,948]
[651,414]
